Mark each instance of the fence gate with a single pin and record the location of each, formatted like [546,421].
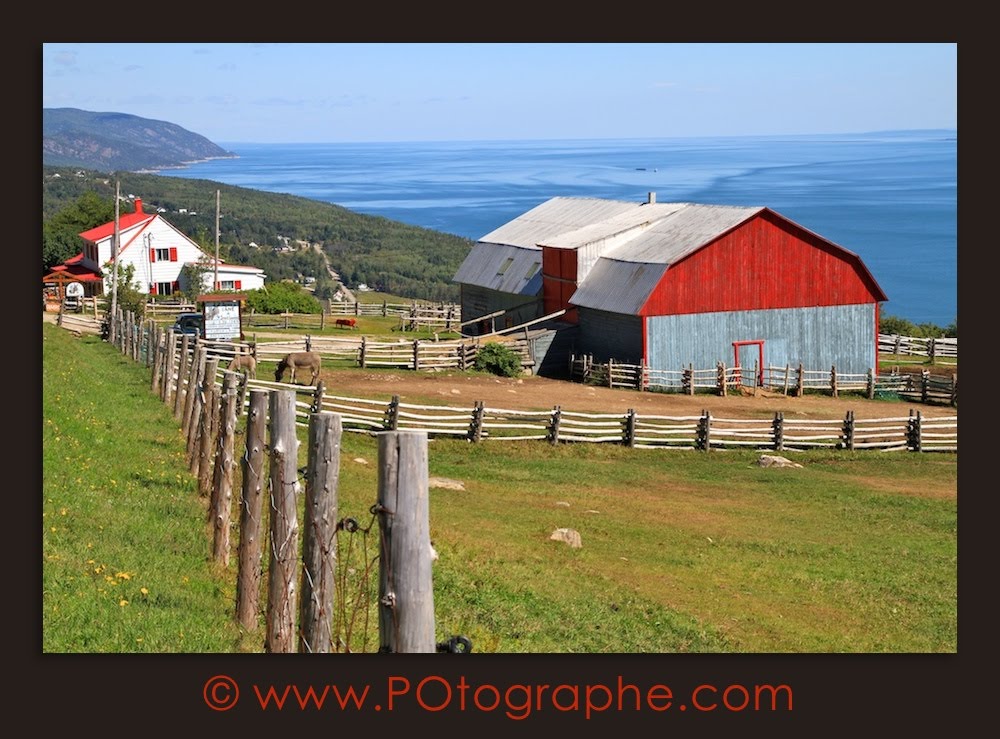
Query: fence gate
[747,356]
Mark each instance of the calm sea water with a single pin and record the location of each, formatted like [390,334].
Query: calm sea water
[890,197]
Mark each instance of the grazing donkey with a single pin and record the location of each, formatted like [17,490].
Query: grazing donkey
[298,361]
[246,364]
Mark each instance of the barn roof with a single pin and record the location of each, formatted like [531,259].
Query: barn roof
[555,217]
[618,286]
[487,265]
[641,240]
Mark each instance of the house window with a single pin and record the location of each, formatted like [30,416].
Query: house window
[503,267]
[163,255]
[226,285]
[165,288]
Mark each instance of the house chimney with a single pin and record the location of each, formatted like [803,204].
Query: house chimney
[652,198]
[138,205]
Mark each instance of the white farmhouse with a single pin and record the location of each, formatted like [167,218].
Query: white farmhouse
[158,251]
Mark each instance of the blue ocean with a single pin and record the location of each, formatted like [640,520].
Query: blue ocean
[890,197]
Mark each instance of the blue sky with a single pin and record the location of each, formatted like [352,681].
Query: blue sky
[303,92]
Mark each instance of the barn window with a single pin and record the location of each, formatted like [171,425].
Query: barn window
[532,270]
[506,264]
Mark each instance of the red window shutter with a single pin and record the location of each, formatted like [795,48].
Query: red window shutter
[152,288]
[217,283]
[239,284]
[177,285]
[152,255]
[173,253]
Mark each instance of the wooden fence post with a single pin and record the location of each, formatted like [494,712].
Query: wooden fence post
[169,387]
[870,384]
[251,523]
[206,439]
[319,538]
[157,374]
[848,433]
[183,366]
[630,420]
[308,342]
[611,372]
[720,379]
[195,372]
[241,392]
[833,380]
[931,346]
[284,528]
[317,401]
[364,352]
[913,440]
[222,483]
[778,426]
[925,384]
[641,377]
[703,439]
[476,425]
[954,388]
[384,314]
[416,354]
[895,349]
[406,593]
[554,425]
[800,382]
[391,421]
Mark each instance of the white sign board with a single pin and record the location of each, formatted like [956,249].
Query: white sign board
[222,321]
[74,290]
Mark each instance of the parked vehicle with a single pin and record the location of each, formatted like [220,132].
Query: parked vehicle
[189,323]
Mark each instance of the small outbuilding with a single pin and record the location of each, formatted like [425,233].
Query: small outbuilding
[676,284]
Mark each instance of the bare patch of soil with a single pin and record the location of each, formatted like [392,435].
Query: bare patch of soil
[539,393]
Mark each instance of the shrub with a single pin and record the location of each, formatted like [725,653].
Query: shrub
[498,359]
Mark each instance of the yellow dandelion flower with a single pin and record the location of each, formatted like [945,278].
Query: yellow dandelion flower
[123,602]
[139,640]
[124,575]
[90,561]
[144,591]
[62,511]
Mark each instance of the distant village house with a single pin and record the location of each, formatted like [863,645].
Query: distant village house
[158,251]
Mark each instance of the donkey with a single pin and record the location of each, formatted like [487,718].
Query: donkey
[246,364]
[298,361]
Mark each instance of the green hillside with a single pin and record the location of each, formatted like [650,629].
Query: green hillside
[409,261]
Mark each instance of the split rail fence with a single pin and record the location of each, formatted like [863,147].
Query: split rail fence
[922,387]
[703,432]
[309,607]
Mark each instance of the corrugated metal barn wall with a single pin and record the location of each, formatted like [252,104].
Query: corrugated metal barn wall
[607,335]
[841,336]
[481,301]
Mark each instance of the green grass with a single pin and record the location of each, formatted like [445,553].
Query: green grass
[682,551]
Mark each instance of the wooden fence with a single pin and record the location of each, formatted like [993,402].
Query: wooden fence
[920,387]
[412,316]
[419,355]
[941,349]
[304,612]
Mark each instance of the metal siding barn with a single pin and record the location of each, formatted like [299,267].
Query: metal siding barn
[677,283]
[610,336]
[843,336]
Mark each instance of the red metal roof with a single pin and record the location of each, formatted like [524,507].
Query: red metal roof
[126,220]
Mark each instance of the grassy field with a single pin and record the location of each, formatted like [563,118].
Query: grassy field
[682,551]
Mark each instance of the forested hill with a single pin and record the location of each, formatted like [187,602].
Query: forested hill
[110,142]
[401,259]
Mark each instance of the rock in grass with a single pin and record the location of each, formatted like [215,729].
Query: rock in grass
[771,460]
[445,483]
[569,536]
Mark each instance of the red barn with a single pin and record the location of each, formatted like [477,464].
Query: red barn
[674,284]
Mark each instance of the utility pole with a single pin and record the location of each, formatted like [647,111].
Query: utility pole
[216,285]
[114,252]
